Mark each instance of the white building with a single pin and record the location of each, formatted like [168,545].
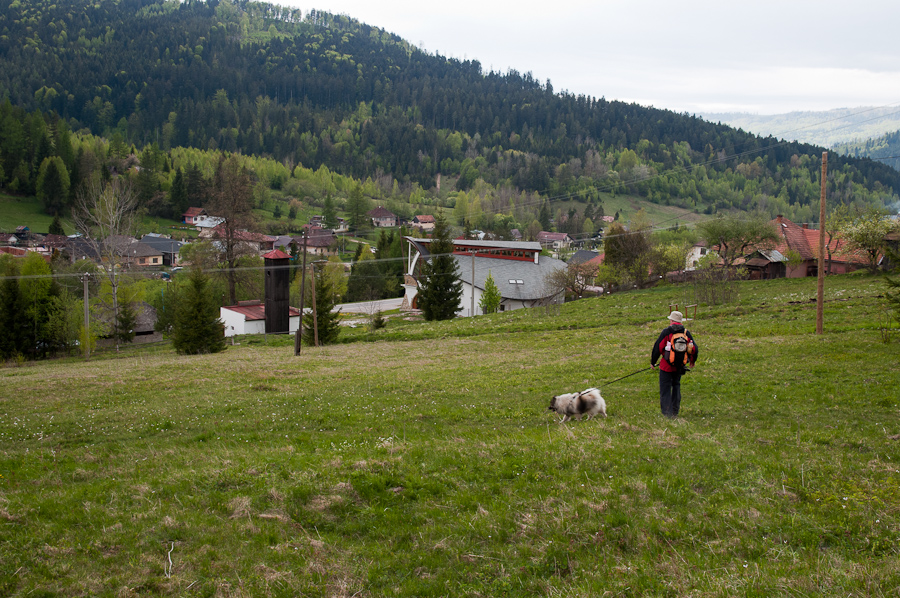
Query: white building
[249,317]
[518,270]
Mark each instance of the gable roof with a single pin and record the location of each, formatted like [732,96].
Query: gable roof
[256,310]
[381,212]
[805,242]
[424,219]
[162,244]
[548,237]
[793,238]
[139,249]
[583,256]
[194,212]
[57,241]
[515,279]
[219,232]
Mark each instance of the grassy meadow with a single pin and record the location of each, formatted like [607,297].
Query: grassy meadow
[421,460]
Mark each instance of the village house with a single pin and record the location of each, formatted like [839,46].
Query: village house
[517,267]
[256,242]
[191,216]
[555,241]
[249,317]
[424,222]
[141,255]
[796,254]
[200,219]
[383,218]
[698,251]
[587,264]
[320,242]
[167,247]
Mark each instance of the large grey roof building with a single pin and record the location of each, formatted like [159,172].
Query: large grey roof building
[518,269]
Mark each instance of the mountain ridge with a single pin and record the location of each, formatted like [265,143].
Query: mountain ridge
[324,90]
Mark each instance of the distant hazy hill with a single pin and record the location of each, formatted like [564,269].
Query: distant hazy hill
[826,129]
[885,149]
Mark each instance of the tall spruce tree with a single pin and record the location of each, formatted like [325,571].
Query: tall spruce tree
[440,288]
[12,314]
[327,322]
[196,327]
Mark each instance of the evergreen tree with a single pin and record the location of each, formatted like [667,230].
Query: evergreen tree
[197,187]
[440,289]
[196,327]
[53,185]
[357,206]
[544,217]
[12,317]
[56,227]
[490,298]
[327,322]
[126,319]
[178,195]
[329,216]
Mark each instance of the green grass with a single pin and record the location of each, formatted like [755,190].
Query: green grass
[421,460]
[26,211]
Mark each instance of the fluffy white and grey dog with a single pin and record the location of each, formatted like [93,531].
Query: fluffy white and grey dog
[576,404]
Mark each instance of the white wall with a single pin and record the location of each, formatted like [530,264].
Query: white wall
[235,324]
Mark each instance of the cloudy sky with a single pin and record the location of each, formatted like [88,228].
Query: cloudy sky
[763,57]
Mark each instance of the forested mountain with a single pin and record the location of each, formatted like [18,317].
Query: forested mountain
[323,90]
[885,148]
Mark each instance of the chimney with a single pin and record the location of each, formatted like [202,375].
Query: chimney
[778,218]
[806,225]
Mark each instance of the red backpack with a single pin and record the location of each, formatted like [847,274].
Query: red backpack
[679,349]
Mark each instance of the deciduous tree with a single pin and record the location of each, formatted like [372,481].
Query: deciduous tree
[732,236]
[866,231]
[105,215]
[233,201]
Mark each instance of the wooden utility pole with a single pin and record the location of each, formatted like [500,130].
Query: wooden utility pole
[820,300]
[86,337]
[472,310]
[312,286]
[298,340]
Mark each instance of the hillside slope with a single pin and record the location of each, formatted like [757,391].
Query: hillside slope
[440,472]
[885,149]
[318,89]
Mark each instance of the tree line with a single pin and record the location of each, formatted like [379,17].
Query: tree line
[325,90]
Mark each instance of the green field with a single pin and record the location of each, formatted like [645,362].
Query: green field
[26,211]
[421,460]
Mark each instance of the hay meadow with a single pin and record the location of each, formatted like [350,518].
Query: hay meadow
[421,460]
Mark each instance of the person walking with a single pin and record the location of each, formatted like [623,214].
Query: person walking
[675,350]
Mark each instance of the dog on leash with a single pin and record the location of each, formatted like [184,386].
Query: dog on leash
[577,404]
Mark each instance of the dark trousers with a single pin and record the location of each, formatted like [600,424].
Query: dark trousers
[669,393]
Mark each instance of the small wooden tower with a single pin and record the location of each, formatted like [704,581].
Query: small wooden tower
[278,281]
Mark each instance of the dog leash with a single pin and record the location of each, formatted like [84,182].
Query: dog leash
[627,376]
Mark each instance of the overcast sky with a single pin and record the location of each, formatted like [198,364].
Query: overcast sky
[764,57]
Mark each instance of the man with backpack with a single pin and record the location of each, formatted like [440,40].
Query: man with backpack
[675,350]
